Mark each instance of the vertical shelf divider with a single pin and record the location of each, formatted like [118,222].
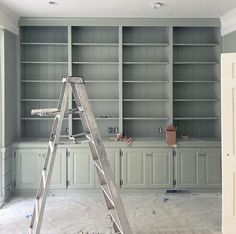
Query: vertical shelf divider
[170,75]
[18,86]
[70,125]
[120,79]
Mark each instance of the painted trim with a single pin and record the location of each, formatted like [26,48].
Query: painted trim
[2,86]
[37,21]
[228,22]
[8,19]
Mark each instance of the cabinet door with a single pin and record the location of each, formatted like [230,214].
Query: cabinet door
[134,168]
[212,167]
[188,166]
[160,168]
[28,168]
[29,163]
[80,169]
[113,156]
[58,180]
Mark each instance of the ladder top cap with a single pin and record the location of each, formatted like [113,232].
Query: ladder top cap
[73,79]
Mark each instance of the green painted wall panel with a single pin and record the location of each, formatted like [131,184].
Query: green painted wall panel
[229,42]
[10,87]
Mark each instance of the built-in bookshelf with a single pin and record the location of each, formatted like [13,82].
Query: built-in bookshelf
[196,57]
[44,61]
[145,80]
[95,57]
[139,78]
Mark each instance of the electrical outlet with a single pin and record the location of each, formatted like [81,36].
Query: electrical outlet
[116,130]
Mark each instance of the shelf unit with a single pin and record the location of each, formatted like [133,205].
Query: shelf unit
[145,80]
[95,56]
[44,61]
[196,57]
[139,78]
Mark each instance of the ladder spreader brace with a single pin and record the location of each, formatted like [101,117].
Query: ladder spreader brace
[94,139]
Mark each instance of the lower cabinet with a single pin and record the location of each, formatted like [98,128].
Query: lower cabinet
[145,168]
[133,168]
[28,168]
[81,169]
[198,168]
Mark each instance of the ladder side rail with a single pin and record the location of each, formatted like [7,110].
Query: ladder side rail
[97,147]
[56,129]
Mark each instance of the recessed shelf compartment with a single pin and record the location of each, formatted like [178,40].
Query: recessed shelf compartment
[95,34]
[199,128]
[145,35]
[147,91]
[95,54]
[196,90]
[108,72]
[196,35]
[144,128]
[43,34]
[148,110]
[145,54]
[145,72]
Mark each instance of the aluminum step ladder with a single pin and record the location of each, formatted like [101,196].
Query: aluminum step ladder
[93,137]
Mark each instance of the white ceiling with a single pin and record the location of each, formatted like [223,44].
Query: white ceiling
[121,8]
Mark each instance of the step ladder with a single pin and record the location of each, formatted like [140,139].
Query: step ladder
[93,137]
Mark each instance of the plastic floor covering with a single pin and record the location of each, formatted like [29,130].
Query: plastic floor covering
[147,214]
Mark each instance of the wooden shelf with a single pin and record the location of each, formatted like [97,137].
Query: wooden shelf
[42,62]
[97,63]
[144,118]
[196,81]
[145,44]
[38,100]
[101,81]
[145,100]
[145,81]
[100,118]
[102,100]
[145,63]
[43,44]
[95,44]
[196,118]
[39,119]
[196,100]
[41,81]
[196,44]
[189,63]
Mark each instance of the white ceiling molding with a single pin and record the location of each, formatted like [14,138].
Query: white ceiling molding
[228,22]
[8,19]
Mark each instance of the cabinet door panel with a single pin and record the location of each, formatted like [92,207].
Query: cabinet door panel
[188,168]
[27,168]
[161,169]
[81,169]
[212,167]
[29,163]
[113,156]
[134,171]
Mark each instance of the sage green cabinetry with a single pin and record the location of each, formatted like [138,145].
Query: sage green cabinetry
[81,170]
[198,168]
[28,168]
[147,168]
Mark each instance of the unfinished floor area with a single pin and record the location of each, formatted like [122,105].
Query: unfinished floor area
[87,214]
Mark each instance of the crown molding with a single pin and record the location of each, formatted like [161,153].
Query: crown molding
[228,22]
[8,19]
